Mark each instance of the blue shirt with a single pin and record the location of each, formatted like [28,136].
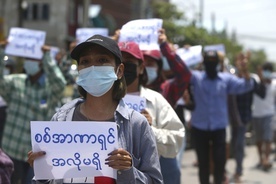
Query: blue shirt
[210,97]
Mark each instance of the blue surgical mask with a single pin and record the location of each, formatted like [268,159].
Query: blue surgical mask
[152,74]
[31,67]
[165,62]
[267,74]
[97,80]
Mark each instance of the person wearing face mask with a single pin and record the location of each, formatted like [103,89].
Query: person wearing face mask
[30,96]
[102,86]
[263,111]
[9,69]
[240,115]
[172,89]
[6,164]
[154,69]
[209,117]
[167,127]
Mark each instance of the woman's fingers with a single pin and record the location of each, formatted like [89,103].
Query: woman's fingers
[34,155]
[119,159]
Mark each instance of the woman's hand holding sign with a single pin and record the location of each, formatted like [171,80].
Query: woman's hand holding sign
[119,159]
[34,155]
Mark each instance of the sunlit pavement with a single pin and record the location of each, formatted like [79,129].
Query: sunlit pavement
[251,175]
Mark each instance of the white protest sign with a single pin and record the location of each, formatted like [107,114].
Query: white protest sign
[191,55]
[25,43]
[83,34]
[135,102]
[180,101]
[54,51]
[217,47]
[142,31]
[73,149]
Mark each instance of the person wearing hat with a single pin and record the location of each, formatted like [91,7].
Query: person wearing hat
[154,69]
[102,86]
[167,127]
[30,96]
[210,115]
[172,90]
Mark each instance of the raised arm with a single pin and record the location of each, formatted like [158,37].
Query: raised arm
[55,77]
[173,89]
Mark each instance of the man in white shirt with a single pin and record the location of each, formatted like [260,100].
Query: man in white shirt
[263,112]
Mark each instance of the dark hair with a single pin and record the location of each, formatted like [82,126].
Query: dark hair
[268,66]
[119,89]
[210,55]
[160,73]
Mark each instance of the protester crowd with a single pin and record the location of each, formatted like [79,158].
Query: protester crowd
[152,141]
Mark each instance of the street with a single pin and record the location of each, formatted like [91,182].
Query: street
[251,174]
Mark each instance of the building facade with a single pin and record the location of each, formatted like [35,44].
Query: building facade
[61,18]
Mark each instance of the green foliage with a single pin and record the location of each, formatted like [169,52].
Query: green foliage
[257,58]
[169,13]
[190,34]
[166,11]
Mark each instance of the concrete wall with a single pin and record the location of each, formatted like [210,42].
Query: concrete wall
[57,27]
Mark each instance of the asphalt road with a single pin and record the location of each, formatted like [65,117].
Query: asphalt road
[251,175]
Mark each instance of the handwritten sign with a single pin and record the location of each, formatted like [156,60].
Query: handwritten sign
[25,43]
[135,102]
[180,101]
[191,55]
[142,31]
[83,34]
[217,47]
[54,51]
[73,149]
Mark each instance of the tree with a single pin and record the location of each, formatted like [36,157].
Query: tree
[170,15]
[188,33]
[257,58]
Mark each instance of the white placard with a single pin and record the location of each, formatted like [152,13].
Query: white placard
[191,55]
[83,34]
[180,101]
[73,149]
[54,51]
[142,31]
[135,102]
[25,43]
[217,47]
